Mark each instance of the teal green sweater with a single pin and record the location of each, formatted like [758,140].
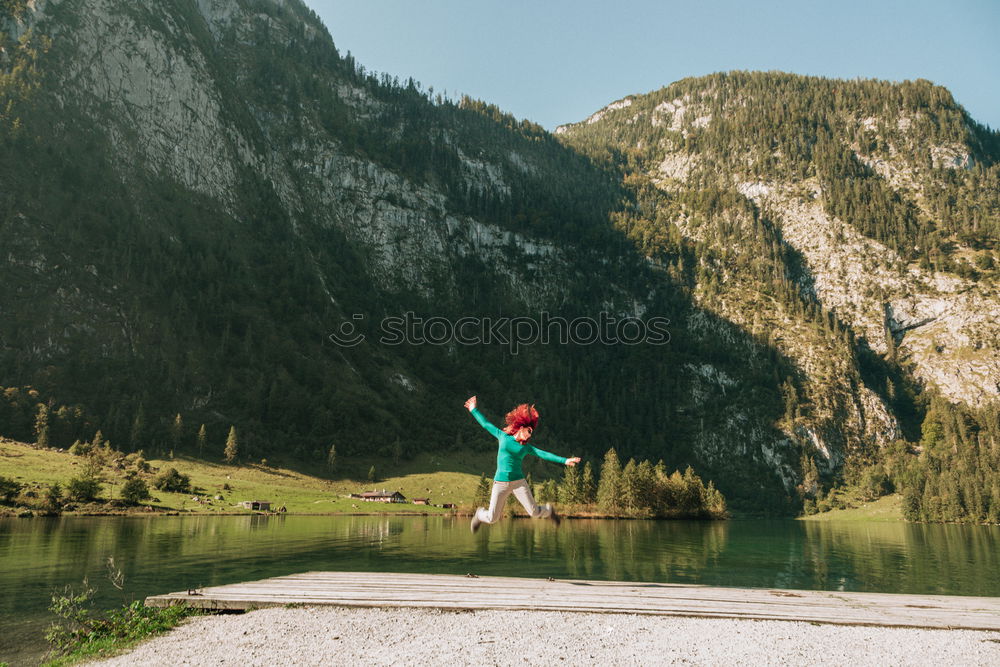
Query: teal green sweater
[510,452]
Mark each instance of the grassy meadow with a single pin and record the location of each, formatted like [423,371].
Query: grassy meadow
[885,509]
[452,479]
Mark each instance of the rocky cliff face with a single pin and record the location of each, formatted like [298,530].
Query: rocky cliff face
[945,328]
[153,78]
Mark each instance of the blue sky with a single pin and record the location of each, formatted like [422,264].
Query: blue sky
[558,61]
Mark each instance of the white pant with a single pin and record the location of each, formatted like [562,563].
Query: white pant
[522,492]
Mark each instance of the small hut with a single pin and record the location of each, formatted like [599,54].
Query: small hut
[382,497]
[257,505]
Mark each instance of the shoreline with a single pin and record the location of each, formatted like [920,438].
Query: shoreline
[36,514]
[833,515]
[320,635]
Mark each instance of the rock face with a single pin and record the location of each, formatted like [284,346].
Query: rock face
[946,327]
[169,111]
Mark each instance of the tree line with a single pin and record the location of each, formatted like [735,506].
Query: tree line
[635,490]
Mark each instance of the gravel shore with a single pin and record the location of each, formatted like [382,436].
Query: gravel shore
[342,636]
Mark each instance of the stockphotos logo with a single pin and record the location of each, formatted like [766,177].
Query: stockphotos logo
[513,332]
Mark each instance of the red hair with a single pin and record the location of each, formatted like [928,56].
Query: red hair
[522,415]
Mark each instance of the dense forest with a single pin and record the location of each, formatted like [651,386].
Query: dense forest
[956,476]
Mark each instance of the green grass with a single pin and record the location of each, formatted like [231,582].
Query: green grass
[885,509]
[448,478]
[121,630]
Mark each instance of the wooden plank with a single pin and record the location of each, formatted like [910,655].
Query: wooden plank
[371,589]
[638,599]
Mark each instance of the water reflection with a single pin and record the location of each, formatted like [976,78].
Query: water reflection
[175,553]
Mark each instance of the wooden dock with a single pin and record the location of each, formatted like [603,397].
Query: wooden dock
[384,589]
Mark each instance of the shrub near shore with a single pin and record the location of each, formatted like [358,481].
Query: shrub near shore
[81,633]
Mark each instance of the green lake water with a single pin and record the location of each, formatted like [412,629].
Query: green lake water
[164,554]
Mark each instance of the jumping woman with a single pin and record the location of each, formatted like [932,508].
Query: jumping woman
[509,478]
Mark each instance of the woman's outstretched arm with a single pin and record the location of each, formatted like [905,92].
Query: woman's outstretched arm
[554,458]
[471,406]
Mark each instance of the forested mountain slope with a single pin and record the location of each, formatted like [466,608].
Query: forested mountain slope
[877,208]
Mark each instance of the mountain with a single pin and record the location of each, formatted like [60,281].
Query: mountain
[872,207]
[198,193]
[886,192]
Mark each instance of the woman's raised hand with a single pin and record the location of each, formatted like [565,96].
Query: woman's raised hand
[573,461]
[470,404]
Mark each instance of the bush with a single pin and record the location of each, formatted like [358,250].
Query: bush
[53,497]
[874,483]
[137,461]
[8,489]
[134,491]
[83,489]
[80,633]
[80,448]
[171,480]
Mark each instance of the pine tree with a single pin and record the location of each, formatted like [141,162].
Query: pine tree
[609,489]
[138,432]
[691,501]
[42,426]
[232,445]
[331,458]
[588,490]
[993,513]
[661,500]
[630,487]
[932,431]
[371,474]
[549,491]
[202,440]
[646,478]
[483,490]
[569,489]
[715,502]
[176,432]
